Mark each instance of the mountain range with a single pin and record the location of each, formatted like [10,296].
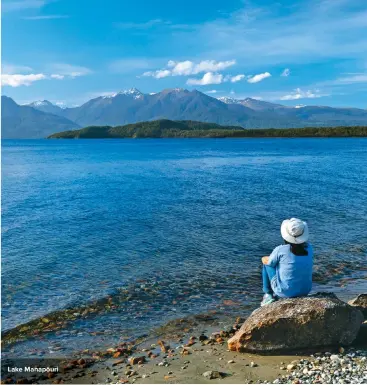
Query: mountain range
[25,122]
[42,118]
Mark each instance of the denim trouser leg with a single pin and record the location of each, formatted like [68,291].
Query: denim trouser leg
[268,273]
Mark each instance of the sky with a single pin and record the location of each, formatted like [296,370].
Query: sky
[306,52]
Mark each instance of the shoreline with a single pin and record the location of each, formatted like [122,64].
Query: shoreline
[185,357]
[182,351]
[47,326]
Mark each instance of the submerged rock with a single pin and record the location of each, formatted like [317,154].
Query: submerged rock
[298,323]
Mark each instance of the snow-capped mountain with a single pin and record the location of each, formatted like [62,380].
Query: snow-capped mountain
[133,92]
[46,106]
[228,100]
[254,104]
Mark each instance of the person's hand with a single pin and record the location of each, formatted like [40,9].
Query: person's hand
[265,260]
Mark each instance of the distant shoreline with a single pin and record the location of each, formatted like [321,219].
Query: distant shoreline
[191,129]
[214,137]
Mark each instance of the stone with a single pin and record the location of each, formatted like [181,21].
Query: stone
[298,323]
[212,374]
[136,360]
[163,346]
[361,303]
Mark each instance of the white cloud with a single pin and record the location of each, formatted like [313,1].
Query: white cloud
[69,70]
[208,78]
[57,76]
[182,68]
[300,94]
[212,92]
[45,17]
[14,69]
[286,72]
[212,66]
[352,78]
[236,78]
[158,74]
[258,78]
[12,76]
[16,80]
[188,67]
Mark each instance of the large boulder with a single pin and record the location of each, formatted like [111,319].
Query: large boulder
[361,303]
[298,323]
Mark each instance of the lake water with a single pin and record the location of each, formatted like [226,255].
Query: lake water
[170,227]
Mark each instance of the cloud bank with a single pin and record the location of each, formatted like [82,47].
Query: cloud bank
[16,80]
[300,94]
[12,77]
[188,67]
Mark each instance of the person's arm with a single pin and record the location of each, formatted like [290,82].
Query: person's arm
[273,258]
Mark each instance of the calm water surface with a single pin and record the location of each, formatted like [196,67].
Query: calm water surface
[189,218]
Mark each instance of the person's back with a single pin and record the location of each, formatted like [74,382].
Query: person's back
[293,272]
[287,272]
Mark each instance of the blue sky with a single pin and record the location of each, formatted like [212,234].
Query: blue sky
[290,52]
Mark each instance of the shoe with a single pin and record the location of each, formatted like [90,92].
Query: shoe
[268,298]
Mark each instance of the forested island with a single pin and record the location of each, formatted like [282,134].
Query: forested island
[165,128]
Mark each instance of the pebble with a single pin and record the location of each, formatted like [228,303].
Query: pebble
[347,367]
[231,361]
[163,363]
[212,374]
[253,365]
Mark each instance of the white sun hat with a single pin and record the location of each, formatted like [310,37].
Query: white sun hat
[294,231]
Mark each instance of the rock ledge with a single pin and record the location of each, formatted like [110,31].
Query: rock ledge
[290,324]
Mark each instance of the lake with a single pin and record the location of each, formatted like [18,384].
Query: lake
[170,227]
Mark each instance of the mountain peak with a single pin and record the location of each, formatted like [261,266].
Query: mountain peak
[229,100]
[131,91]
[134,92]
[40,103]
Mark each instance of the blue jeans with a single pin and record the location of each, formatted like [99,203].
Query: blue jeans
[268,274]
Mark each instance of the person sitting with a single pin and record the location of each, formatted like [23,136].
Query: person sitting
[287,271]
